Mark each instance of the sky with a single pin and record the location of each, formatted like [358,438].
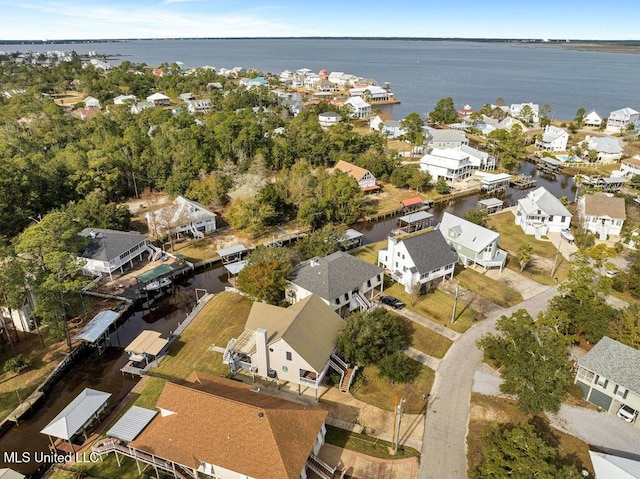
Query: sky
[99,19]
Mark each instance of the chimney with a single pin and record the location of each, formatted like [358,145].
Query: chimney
[262,352]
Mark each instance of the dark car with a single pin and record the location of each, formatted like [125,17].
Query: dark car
[391,301]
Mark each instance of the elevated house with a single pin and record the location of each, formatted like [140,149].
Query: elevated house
[358,108]
[540,213]
[111,250]
[480,160]
[592,119]
[215,428]
[182,217]
[159,99]
[199,106]
[344,282]
[621,120]
[124,99]
[293,344]
[450,164]
[435,138]
[366,180]
[329,118]
[421,260]
[602,214]
[473,243]
[609,377]
[607,148]
[553,139]
[630,166]
[529,112]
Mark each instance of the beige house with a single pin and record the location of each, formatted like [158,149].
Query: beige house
[602,214]
[293,344]
[366,180]
[180,218]
[609,377]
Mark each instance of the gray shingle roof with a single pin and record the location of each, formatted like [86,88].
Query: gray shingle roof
[429,251]
[334,275]
[614,361]
[109,244]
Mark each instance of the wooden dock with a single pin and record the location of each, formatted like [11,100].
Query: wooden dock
[426,204]
[522,182]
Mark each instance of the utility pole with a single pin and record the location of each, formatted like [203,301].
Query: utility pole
[396,423]
[455,303]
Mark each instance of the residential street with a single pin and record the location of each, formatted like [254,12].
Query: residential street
[444,445]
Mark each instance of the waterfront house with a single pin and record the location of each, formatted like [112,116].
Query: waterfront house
[124,99]
[371,93]
[293,344]
[519,111]
[509,123]
[603,214]
[111,250]
[199,106]
[609,378]
[344,282]
[329,118]
[358,108]
[216,428]
[553,139]
[592,119]
[450,164]
[621,120]
[540,212]
[158,99]
[473,243]
[422,259]
[366,181]
[480,160]
[182,217]
[435,138]
[630,166]
[608,148]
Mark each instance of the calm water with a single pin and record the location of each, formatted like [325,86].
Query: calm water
[420,72]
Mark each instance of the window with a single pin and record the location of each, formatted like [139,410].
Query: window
[368,283]
[285,369]
[601,381]
[551,218]
[337,300]
[402,256]
[398,254]
[346,296]
[621,392]
[288,354]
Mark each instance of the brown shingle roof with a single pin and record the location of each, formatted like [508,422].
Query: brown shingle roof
[603,205]
[632,161]
[351,169]
[224,423]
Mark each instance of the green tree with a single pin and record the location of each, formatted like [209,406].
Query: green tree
[546,115]
[266,273]
[320,243]
[444,112]
[211,189]
[520,452]
[477,216]
[508,146]
[419,180]
[626,326]
[442,187]
[95,211]
[527,114]
[412,124]
[580,115]
[397,367]
[524,255]
[367,337]
[249,215]
[533,360]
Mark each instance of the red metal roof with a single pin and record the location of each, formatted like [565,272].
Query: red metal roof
[411,201]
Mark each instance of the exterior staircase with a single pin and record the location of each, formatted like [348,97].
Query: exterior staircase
[322,469]
[347,372]
[363,302]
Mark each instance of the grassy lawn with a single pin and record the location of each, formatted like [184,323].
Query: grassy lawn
[512,236]
[369,253]
[381,393]
[220,320]
[438,307]
[197,250]
[390,197]
[364,444]
[424,339]
[488,410]
[493,290]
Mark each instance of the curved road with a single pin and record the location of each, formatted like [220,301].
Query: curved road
[444,448]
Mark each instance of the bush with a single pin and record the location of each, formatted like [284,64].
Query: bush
[397,367]
[16,364]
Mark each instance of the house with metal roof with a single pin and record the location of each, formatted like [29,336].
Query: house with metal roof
[447,163]
[180,218]
[358,108]
[217,428]
[420,259]
[479,159]
[592,119]
[620,120]
[603,214]
[607,148]
[293,344]
[344,282]
[473,243]
[540,212]
[553,139]
[610,378]
[111,250]
[444,138]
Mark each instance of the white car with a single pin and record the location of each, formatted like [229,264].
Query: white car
[627,413]
[566,234]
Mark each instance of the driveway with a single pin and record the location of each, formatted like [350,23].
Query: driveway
[360,466]
[528,288]
[446,423]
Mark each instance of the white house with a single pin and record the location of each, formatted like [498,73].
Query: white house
[508,123]
[140,106]
[592,119]
[111,250]
[630,166]
[341,280]
[293,344]
[421,259]
[608,377]
[553,139]
[516,111]
[622,119]
[181,217]
[386,125]
[608,148]
[540,212]
[21,319]
[124,99]
[450,164]
[329,118]
[602,214]
[358,108]
[480,160]
[366,180]
[91,102]
[158,99]
[609,466]
[435,138]
[199,106]
[371,93]
[473,243]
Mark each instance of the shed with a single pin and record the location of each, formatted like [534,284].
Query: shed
[131,423]
[77,416]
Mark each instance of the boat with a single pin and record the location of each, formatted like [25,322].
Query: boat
[158,284]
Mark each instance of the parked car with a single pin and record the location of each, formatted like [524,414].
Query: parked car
[395,303]
[627,413]
[566,234]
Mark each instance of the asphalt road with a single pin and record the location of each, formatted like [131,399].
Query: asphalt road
[444,449]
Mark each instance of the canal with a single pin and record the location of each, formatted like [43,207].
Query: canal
[164,314]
